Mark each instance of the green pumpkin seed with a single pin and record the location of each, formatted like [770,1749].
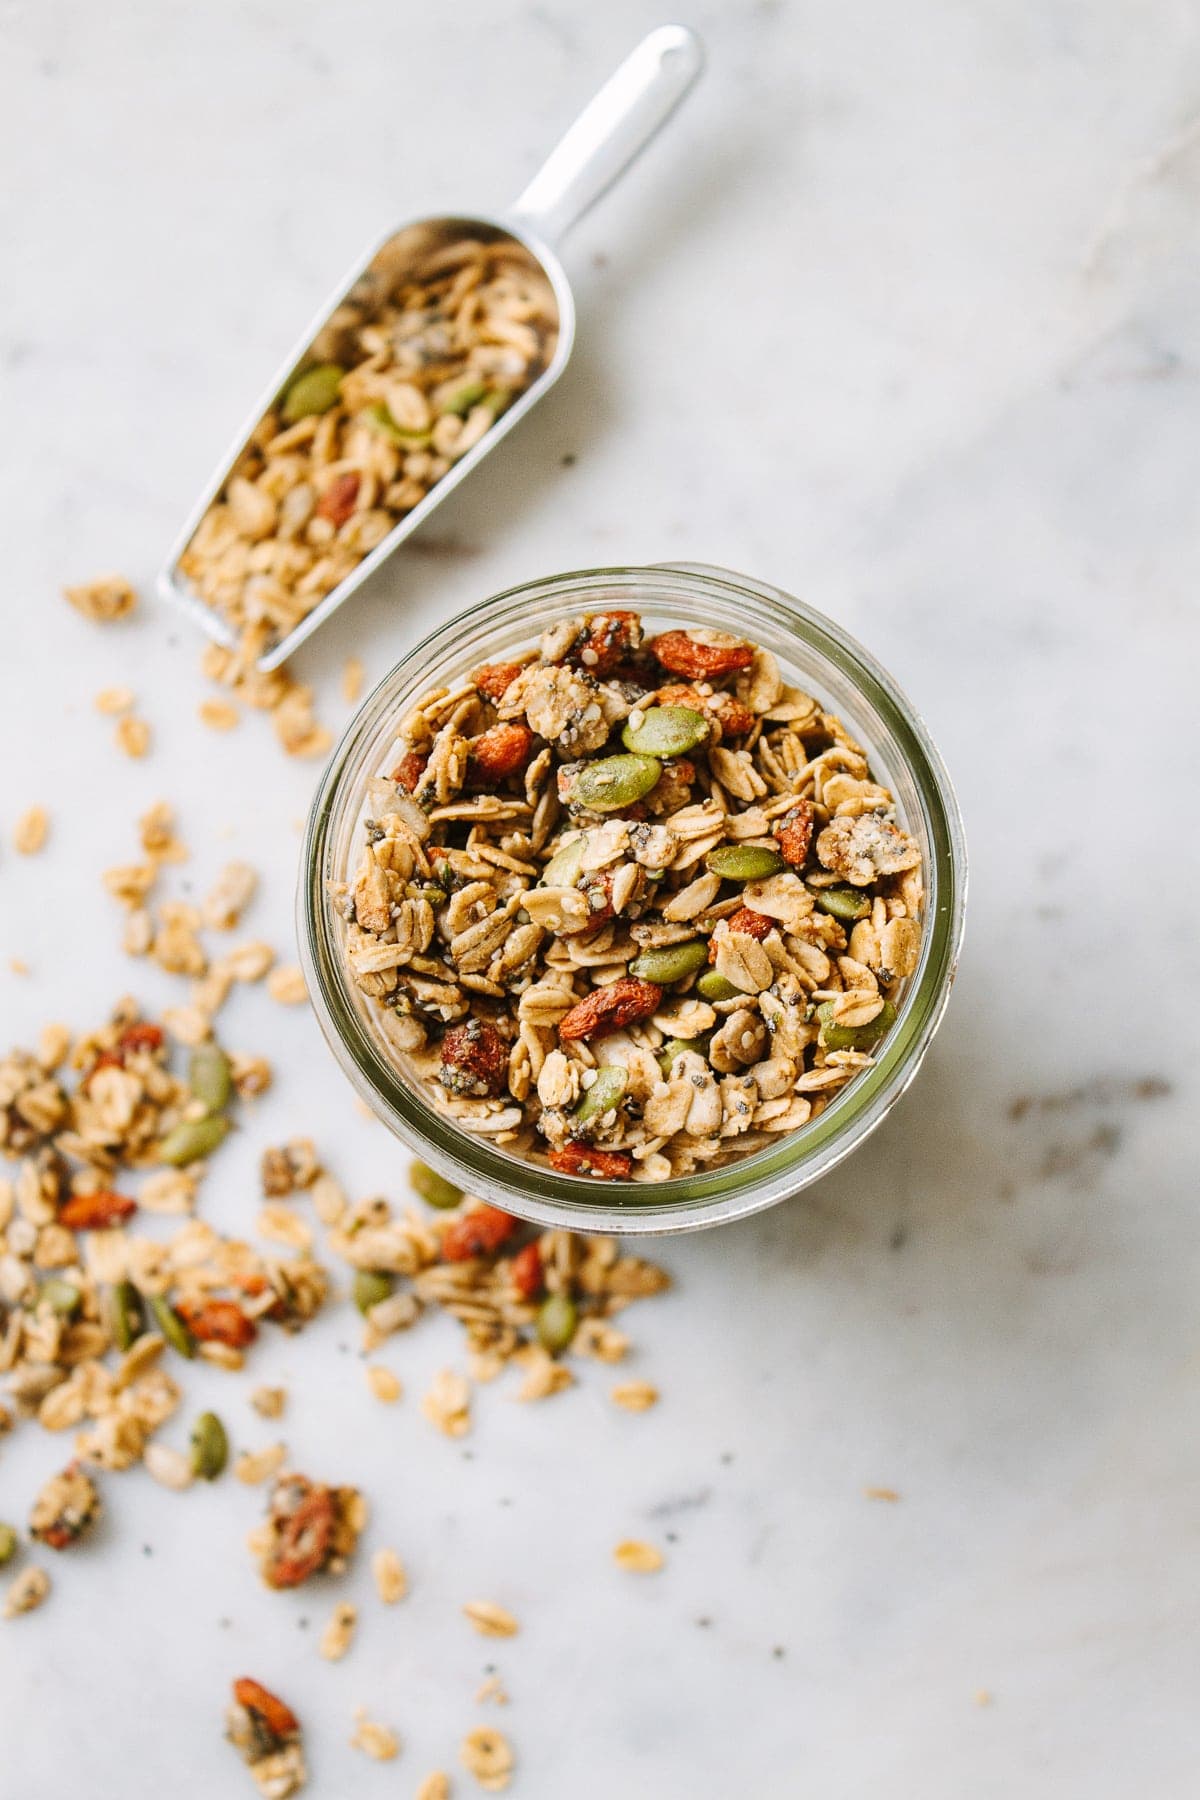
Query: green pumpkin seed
[124,1314]
[744,862]
[666,731]
[380,419]
[370,1287]
[210,1076]
[172,1326]
[854,1037]
[672,962]
[210,1447]
[557,1321]
[615,781]
[716,987]
[675,1047]
[8,1544]
[62,1297]
[846,903]
[562,871]
[193,1139]
[433,1187]
[313,392]
[606,1092]
[461,399]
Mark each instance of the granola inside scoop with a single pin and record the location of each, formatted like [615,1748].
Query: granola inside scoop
[631,905]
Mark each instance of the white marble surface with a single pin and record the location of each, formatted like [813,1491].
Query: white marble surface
[902,314]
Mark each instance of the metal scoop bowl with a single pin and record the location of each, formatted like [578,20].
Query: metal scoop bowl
[606,137]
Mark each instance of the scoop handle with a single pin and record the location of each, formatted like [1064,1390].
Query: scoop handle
[613,129]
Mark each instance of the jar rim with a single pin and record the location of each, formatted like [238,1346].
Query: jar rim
[708,1196]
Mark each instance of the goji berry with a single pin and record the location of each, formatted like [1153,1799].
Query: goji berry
[605,641]
[495,679]
[526,1271]
[610,1009]
[337,502]
[409,770]
[474,1060]
[478,1233]
[217,1322]
[278,1717]
[95,1212]
[581,1159]
[687,656]
[794,833]
[754,924]
[498,753]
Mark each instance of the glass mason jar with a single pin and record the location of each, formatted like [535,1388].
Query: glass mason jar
[813,652]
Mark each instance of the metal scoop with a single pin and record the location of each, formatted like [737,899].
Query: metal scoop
[606,137]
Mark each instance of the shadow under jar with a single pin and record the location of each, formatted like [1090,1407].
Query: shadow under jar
[815,655]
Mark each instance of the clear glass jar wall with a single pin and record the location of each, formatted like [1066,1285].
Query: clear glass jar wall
[814,653]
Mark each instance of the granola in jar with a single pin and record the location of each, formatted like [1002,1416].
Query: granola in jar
[629,903]
[412,370]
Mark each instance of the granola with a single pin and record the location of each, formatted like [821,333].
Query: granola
[523,1297]
[310,1529]
[107,598]
[631,906]
[411,372]
[266,1734]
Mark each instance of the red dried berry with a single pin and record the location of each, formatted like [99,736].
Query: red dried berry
[687,656]
[337,502]
[96,1212]
[304,1541]
[409,770]
[794,832]
[581,1159]
[605,641]
[526,1272]
[278,1717]
[474,1060]
[478,1233]
[495,679]
[610,1009]
[754,924]
[499,753]
[218,1322]
[142,1036]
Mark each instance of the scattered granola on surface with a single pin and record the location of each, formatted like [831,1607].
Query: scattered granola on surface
[66,1508]
[338,1634]
[31,831]
[524,1297]
[107,598]
[491,1620]
[266,1734]
[80,1283]
[310,1530]
[391,1581]
[633,905]
[26,1593]
[487,1755]
[410,373]
[638,1557]
[377,1741]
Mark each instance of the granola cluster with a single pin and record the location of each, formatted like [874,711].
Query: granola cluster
[632,905]
[411,371]
[525,1298]
[124,1140]
[266,1734]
